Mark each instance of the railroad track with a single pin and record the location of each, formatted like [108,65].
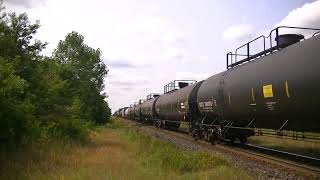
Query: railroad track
[308,161]
[298,162]
[311,162]
[306,165]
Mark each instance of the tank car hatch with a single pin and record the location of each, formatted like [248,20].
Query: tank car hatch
[183,84]
[285,40]
[152,96]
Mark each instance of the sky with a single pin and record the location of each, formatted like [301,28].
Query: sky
[148,43]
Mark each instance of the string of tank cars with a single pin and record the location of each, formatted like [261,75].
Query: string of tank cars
[274,90]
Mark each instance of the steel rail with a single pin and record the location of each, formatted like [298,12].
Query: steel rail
[303,163]
[297,157]
[289,160]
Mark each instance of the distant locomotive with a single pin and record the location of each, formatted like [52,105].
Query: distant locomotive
[277,88]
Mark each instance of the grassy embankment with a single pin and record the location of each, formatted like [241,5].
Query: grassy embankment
[116,152]
[294,146]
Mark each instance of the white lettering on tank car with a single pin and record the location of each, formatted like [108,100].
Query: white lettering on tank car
[271,105]
[206,105]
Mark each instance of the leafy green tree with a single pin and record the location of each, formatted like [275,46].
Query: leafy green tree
[16,40]
[44,97]
[17,54]
[84,70]
[15,109]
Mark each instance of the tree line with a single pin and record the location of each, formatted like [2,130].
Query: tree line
[47,97]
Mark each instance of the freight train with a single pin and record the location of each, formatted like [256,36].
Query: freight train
[276,88]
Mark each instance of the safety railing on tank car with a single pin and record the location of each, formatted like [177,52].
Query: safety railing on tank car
[316,33]
[141,101]
[232,58]
[172,86]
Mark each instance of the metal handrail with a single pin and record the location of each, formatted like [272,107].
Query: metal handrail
[248,45]
[231,63]
[152,95]
[315,34]
[172,85]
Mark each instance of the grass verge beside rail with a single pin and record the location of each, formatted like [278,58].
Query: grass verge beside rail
[117,152]
[300,147]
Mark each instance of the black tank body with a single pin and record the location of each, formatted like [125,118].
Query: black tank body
[148,108]
[174,105]
[283,86]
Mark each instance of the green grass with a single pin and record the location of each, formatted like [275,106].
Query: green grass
[294,146]
[117,152]
[164,158]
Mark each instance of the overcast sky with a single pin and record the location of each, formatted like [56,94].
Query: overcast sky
[148,43]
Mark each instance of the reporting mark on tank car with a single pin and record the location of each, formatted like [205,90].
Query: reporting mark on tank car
[207,105]
[253,107]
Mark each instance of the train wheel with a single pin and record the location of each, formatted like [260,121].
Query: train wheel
[162,124]
[232,140]
[195,134]
[212,140]
[158,124]
[177,125]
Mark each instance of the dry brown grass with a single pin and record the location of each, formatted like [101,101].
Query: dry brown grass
[114,153]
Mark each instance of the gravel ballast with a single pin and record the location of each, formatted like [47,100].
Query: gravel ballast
[254,166]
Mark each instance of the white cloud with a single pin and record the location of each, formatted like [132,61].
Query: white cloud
[154,29]
[238,32]
[120,64]
[164,41]
[306,16]
[141,41]
[192,76]
[25,3]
